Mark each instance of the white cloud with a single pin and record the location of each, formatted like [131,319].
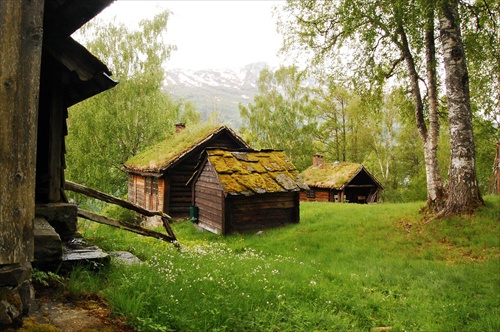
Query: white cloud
[211,34]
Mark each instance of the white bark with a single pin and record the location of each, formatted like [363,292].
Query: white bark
[463,189]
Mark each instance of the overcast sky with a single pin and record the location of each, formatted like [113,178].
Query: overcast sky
[210,34]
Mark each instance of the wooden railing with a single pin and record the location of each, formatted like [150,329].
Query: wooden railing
[81,189]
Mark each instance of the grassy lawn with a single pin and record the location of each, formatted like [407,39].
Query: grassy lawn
[345,267]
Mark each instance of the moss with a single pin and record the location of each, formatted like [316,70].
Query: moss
[330,175]
[31,325]
[12,298]
[159,156]
[254,171]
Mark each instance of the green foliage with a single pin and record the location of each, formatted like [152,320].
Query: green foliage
[122,214]
[47,279]
[479,24]
[108,129]
[345,267]
[281,116]
[486,135]
[394,41]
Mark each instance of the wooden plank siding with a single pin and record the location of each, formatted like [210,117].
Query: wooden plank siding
[209,199]
[254,212]
[316,194]
[146,191]
[180,194]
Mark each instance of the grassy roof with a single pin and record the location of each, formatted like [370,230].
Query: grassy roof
[255,172]
[162,155]
[333,176]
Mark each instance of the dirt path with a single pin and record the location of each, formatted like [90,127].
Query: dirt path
[56,313]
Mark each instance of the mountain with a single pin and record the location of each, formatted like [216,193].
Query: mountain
[216,90]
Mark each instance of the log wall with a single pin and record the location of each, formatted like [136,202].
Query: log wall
[21,32]
[209,198]
[257,212]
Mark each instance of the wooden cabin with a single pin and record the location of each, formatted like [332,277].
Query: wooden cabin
[339,182]
[237,191]
[43,72]
[158,177]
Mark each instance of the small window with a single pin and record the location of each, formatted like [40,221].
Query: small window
[310,193]
[155,186]
[148,186]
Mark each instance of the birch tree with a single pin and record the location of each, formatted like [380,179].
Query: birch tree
[382,36]
[388,39]
[463,188]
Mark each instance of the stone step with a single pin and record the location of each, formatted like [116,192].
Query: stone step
[48,245]
[77,252]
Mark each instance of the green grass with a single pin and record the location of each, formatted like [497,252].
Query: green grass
[345,267]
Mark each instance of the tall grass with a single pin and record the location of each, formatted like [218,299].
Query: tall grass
[345,267]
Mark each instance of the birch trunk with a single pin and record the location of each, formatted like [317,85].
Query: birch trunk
[429,137]
[435,191]
[463,188]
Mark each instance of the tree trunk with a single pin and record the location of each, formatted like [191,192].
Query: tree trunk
[429,137]
[464,195]
[436,195]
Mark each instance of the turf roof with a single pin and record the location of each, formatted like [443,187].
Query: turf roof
[160,156]
[333,176]
[255,172]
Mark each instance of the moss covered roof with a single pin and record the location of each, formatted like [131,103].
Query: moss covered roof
[164,154]
[333,176]
[255,172]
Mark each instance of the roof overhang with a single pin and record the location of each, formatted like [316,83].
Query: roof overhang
[87,75]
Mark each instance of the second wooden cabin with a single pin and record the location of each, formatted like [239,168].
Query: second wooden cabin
[339,182]
[246,190]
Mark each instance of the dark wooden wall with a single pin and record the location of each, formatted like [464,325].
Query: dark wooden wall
[52,129]
[21,35]
[209,198]
[257,212]
[180,194]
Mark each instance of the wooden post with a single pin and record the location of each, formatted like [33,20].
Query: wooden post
[21,32]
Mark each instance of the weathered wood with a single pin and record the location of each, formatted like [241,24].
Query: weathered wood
[21,34]
[124,225]
[78,188]
[51,131]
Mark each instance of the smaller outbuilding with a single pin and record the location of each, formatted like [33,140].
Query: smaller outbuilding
[242,190]
[339,182]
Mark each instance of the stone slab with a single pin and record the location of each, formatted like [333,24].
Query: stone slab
[62,216]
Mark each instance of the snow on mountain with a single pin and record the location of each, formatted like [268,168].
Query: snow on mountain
[216,90]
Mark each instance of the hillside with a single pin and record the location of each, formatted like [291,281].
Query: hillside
[216,90]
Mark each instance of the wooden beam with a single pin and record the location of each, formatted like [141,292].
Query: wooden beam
[81,189]
[124,225]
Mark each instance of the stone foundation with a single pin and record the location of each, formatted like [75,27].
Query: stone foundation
[62,216]
[58,248]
